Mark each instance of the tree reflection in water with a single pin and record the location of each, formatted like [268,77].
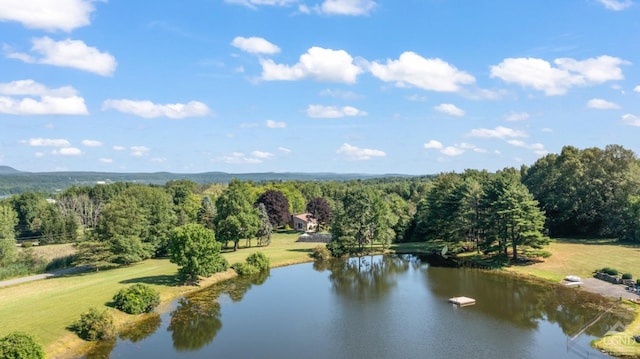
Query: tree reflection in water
[526,302]
[196,320]
[364,278]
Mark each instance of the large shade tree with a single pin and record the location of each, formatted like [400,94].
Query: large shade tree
[196,252]
[236,216]
[277,206]
[320,210]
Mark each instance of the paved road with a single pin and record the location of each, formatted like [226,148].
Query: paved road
[6,283]
[606,289]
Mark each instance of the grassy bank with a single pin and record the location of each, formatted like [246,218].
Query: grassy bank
[46,308]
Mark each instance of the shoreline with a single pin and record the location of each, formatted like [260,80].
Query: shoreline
[71,346]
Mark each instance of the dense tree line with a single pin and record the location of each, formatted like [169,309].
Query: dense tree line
[578,193]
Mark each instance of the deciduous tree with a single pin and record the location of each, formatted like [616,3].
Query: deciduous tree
[197,253]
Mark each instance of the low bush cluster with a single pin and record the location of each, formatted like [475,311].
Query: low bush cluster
[18,345]
[609,271]
[255,263]
[95,325]
[321,253]
[136,299]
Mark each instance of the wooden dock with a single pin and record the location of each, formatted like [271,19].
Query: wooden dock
[462,301]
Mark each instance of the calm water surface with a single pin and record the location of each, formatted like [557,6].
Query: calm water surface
[373,307]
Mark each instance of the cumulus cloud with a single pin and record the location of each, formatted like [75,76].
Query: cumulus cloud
[498,132]
[600,104]
[517,116]
[57,101]
[631,120]
[240,158]
[119,148]
[541,75]
[275,124]
[68,53]
[354,153]
[46,105]
[148,109]
[255,45]
[319,111]
[91,143]
[346,7]
[449,109]
[139,151]
[452,151]
[48,142]
[616,5]
[64,15]
[284,150]
[433,144]
[537,148]
[68,151]
[262,155]
[637,88]
[412,69]
[317,63]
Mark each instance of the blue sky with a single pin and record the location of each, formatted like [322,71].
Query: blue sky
[348,86]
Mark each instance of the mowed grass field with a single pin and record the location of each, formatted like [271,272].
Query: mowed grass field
[46,308]
[582,258]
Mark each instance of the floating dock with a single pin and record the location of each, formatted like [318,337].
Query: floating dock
[462,301]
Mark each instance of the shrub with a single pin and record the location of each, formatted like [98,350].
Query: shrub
[638,282]
[627,276]
[258,260]
[321,253]
[18,345]
[95,325]
[136,299]
[245,268]
[610,271]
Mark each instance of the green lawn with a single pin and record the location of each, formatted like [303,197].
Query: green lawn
[46,308]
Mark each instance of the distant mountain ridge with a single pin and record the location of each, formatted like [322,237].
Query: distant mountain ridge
[13,181]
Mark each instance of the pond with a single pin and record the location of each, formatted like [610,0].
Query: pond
[374,307]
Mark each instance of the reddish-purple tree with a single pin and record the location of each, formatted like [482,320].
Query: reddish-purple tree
[277,206]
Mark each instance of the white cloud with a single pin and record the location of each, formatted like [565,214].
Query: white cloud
[275,124]
[33,88]
[418,98]
[317,63]
[412,69]
[347,95]
[106,160]
[449,109]
[46,105]
[637,88]
[139,151]
[600,104]
[255,45]
[284,150]
[319,111]
[517,116]
[238,158]
[541,75]
[119,148]
[346,7]
[354,153]
[68,53]
[68,151]
[537,148]
[48,142]
[547,129]
[631,120]
[91,143]
[255,3]
[433,144]
[262,155]
[148,109]
[616,5]
[452,151]
[64,15]
[498,132]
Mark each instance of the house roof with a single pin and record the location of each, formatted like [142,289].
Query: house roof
[304,217]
